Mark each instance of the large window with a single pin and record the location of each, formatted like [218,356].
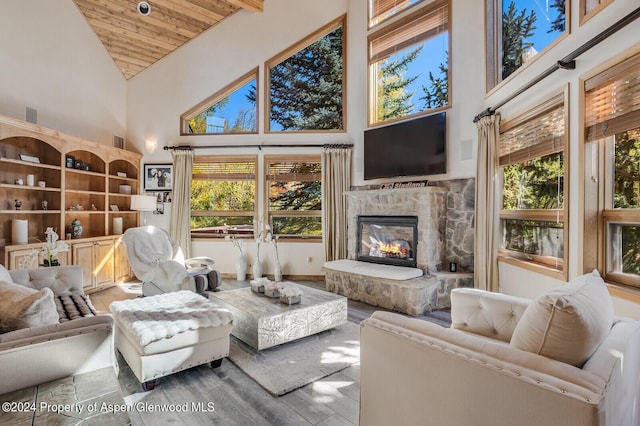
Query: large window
[305,83]
[294,188]
[223,196]
[612,170]
[409,65]
[534,216]
[231,110]
[518,31]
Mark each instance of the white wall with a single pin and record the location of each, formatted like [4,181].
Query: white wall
[517,281]
[52,61]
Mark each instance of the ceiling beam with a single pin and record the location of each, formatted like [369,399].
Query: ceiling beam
[256,6]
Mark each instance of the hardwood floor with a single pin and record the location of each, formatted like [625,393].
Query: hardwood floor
[236,398]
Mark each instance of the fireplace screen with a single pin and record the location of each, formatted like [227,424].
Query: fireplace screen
[388,239]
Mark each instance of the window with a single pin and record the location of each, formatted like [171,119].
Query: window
[305,83]
[588,8]
[534,216]
[231,110]
[409,65]
[518,30]
[294,188]
[612,169]
[380,10]
[223,196]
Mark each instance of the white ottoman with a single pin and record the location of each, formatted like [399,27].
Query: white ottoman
[163,334]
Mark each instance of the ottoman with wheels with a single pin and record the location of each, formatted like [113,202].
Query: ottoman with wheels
[163,334]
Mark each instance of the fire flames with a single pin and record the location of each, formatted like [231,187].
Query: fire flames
[398,249]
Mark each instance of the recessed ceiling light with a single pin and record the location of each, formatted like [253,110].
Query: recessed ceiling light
[143,8]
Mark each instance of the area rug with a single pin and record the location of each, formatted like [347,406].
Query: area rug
[287,367]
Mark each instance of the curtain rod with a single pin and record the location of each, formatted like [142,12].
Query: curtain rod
[566,63]
[326,145]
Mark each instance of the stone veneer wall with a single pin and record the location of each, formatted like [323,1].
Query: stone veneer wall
[427,203]
[445,213]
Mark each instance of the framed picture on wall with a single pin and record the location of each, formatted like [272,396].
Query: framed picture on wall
[158,177]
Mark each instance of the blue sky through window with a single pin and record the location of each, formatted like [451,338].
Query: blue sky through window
[545,15]
[227,113]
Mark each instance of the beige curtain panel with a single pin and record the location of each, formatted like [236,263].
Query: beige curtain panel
[485,260]
[336,180]
[180,225]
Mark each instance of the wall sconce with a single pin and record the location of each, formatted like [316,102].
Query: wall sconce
[150,145]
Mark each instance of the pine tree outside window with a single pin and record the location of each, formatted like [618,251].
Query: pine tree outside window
[518,31]
[223,196]
[534,218]
[294,188]
[409,65]
[305,84]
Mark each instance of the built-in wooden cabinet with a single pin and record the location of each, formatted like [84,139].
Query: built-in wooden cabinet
[73,178]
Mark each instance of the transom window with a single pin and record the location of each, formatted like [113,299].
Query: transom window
[533,216]
[612,168]
[305,84]
[409,66]
[231,110]
[223,196]
[518,31]
[294,188]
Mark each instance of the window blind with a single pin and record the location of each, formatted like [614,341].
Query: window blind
[379,10]
[298,171]
[612,103]
[209,168]
[409,32]
[539,132]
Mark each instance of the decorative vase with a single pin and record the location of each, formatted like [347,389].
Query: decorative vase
[257,269]
[241,268]
[277,274]
[76,229]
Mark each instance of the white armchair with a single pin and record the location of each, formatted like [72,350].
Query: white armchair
[159,263]
[476,373]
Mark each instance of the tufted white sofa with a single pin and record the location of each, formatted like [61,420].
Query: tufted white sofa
[415,372]
[31,356]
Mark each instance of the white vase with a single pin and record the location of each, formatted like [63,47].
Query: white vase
[257,269]
[277,274]
[241,268]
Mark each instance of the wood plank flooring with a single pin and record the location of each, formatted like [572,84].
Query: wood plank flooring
[237,399]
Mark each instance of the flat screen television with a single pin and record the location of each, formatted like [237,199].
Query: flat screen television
[411,148]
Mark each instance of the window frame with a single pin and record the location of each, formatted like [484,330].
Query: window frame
[585,16]
[493,42]
[370,18]
[598,155]
[398,20]
[268,213]
[295,48]
[550,266]
[217,97]
[247,213]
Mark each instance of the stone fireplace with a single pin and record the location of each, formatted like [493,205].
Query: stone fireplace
[389,240]
[443,234]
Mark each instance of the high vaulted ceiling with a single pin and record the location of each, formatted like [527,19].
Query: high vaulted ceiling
[135,41]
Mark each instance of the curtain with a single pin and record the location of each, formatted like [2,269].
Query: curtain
[485,256]
[336,180]
[180,224]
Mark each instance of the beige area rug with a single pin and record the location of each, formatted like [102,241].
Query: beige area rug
[287,367]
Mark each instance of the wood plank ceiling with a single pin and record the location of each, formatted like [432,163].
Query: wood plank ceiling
[135,41]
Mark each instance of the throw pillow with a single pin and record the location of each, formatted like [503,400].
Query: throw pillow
[567,323]
[23,307]
[4,275]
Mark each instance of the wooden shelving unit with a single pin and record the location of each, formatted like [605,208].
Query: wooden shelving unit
[69,192]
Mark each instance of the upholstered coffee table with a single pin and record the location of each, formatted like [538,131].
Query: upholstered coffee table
[263,322]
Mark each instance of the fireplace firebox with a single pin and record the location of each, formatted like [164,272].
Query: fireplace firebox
[390,240]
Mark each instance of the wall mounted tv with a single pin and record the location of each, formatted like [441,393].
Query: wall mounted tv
[411,148]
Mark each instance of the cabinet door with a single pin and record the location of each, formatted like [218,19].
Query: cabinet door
[121,262]
[16,257]
[83,256]
[103,262]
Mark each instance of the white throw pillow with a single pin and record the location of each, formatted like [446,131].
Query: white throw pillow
[567,323]
[23,307]
[4,275]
